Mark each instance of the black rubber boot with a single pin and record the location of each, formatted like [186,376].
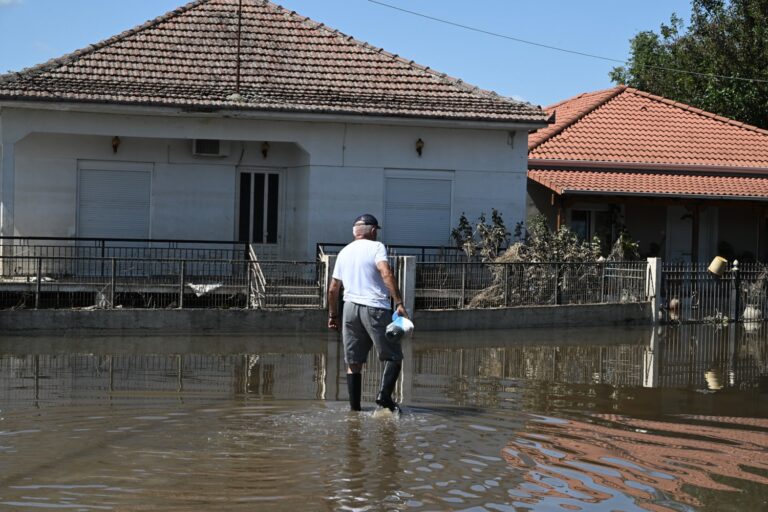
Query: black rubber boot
[388,381]
[355,389]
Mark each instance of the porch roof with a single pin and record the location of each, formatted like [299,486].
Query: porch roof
[652,184]
[210,55]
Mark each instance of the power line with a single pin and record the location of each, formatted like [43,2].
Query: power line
[564,50]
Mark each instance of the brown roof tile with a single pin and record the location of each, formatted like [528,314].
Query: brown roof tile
[625,182]
[189,58]
[630,126]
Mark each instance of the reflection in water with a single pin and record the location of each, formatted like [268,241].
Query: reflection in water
[587,419]
[642,458]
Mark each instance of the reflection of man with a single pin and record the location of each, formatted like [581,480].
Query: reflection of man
[363,269]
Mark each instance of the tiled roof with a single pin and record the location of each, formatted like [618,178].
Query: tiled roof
[623,182]
[569,111]
[631,126]
[189,58]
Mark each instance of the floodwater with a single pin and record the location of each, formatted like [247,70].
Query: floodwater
[671,419]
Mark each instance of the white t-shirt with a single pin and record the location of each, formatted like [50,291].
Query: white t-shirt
[356,269]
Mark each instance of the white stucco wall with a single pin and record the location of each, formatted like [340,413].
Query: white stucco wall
[330,171]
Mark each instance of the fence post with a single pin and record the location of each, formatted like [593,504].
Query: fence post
[182,271]
[557,284]
[39,279]
[408,283]
[506,285]
[602,265]
[103,251]
[735,295]
[328,261]
[113,283]
[248,303]
[653,287]
[463,284]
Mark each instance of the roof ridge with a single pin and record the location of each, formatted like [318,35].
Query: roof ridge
[617,90]
[434,73]
[74,55]
[695,110]
[581,95]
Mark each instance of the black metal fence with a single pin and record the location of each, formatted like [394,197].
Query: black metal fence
[691,293]
[422,253]
[54,248]
[82,282]
[458,285]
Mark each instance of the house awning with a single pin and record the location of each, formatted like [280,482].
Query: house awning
[652,184]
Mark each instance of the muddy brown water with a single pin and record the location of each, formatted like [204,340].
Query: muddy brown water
[671,419]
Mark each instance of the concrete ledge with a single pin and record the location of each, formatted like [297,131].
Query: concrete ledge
[261,322]
[534,317]
[146,321]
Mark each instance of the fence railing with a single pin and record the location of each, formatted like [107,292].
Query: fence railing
[53,248]
[422,253]
[458,285]
[691,293]
[95,282]
[80,282]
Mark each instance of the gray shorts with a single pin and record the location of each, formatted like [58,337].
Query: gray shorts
[364,326]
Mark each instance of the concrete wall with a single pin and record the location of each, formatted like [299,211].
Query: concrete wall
[258,322]
[534,317]
[332,171]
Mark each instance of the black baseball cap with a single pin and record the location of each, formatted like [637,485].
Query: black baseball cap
[368,220]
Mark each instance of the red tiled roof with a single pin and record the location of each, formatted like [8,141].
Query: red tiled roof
[188,58]
[659,184]
[631,126]
[569,111]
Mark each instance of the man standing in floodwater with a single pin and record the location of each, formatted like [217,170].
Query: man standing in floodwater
[363,269]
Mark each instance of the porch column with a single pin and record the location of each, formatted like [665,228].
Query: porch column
[761,248]
[7,192]
[7,187]
[557,202]
[695,224]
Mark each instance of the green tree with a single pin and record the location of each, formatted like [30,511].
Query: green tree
[725,38]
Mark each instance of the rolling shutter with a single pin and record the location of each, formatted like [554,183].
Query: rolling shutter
[417,211]
[113,203]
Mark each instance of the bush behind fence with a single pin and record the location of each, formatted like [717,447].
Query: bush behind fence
[458,285]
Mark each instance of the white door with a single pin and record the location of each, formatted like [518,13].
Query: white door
[417,211]
[679,235]
[113,200]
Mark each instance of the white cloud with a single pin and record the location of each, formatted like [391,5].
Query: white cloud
[3,3]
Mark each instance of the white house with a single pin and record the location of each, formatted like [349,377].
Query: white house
[225,122]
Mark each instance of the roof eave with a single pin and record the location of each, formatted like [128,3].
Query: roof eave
[300,116]
[607,166]
[658,195]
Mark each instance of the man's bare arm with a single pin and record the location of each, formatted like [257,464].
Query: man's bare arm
[333,304]
[391,284]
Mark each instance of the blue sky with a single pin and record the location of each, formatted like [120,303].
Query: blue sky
[33,31]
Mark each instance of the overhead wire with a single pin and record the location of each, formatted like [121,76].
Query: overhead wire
[559,49]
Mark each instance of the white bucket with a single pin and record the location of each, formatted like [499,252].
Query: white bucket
[718,266]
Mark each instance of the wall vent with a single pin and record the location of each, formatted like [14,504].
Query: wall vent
[210,147]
